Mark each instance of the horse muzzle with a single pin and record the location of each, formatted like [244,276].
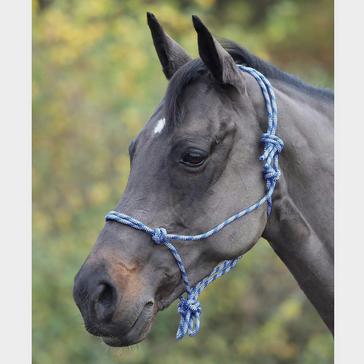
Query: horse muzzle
[117,311]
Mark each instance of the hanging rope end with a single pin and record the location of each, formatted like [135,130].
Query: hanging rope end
[190,311]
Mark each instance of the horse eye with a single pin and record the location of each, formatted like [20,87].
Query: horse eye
[193,158]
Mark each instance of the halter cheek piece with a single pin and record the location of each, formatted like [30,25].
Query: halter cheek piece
[190,308]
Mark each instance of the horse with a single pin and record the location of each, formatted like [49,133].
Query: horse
[195,163]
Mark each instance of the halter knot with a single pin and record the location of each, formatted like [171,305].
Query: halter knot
[189,305]
[159,236]
[190,311]
[273,145]
[270,174]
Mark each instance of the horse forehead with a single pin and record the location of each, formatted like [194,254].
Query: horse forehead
[159,126]
[200,102]
[155,127]
[202,97]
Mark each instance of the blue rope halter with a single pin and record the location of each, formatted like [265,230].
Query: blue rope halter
[190,308]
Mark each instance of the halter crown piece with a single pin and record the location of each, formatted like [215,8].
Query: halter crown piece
[189,307]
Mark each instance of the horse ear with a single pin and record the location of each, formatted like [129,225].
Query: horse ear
[171,55]
[216,58]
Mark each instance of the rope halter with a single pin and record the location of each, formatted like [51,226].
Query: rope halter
[189,308]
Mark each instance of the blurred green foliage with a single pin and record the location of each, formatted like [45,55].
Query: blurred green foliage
[96,79]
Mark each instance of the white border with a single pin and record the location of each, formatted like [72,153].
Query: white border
[349,182]
[15,189]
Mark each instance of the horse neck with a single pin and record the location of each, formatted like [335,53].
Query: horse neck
[300,228]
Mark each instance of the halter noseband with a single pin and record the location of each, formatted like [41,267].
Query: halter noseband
[190,308]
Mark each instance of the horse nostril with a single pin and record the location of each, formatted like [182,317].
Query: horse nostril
[107,294]
[105,301]
[149,304]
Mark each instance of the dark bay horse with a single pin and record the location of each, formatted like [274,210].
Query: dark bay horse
[195,163]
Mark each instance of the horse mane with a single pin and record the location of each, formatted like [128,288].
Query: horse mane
[243,56]
[195,69]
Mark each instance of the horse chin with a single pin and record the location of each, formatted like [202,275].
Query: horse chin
[136,333]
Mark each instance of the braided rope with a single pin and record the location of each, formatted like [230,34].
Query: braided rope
[189,308]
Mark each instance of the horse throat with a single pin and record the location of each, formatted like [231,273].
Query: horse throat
[300,228]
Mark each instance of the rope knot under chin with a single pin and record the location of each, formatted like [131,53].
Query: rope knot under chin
[190,311]
[159,236]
